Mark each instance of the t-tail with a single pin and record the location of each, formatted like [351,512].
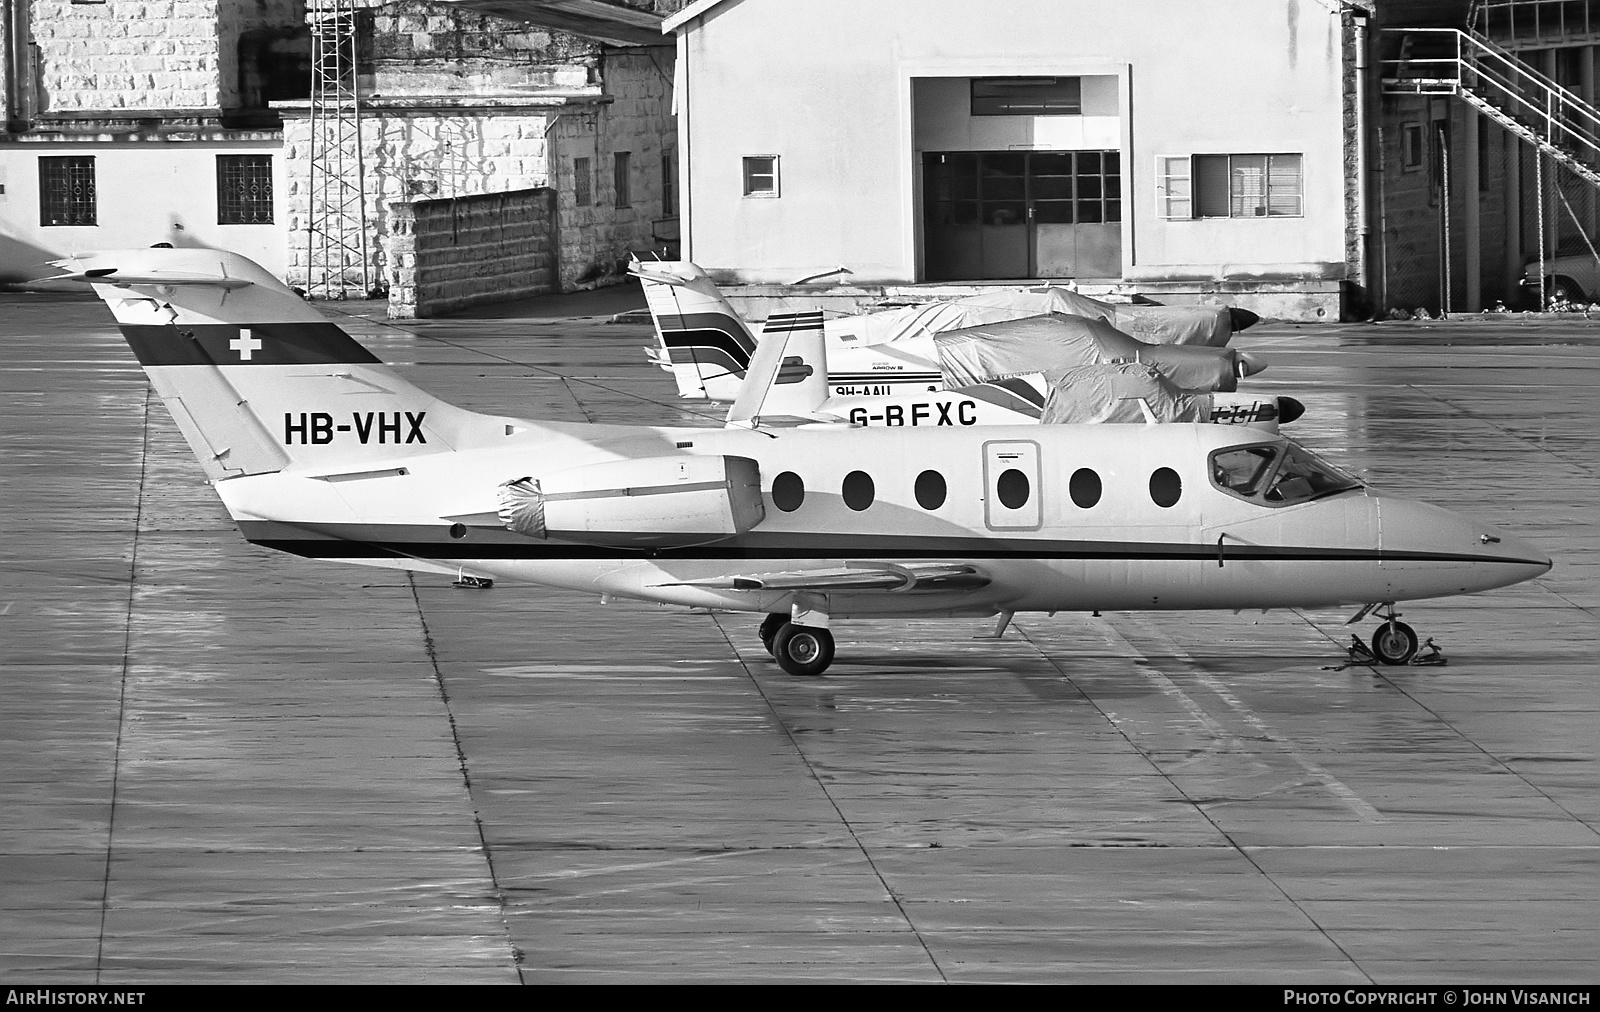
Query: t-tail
[257,379]
[788,376]
[702,339]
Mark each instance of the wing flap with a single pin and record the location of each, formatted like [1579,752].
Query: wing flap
[894,577]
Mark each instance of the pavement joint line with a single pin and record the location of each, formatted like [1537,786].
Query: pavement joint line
[1232,844]
[1524,440]
[1331,783]
[122,688]
[466,777]
[844,820]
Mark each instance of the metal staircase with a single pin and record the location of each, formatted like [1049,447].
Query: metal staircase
[1531,105]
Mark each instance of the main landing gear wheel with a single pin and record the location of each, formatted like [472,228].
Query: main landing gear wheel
[770,626]
[1394,643]
[803,650]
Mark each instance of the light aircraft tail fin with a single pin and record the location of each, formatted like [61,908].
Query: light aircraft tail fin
[788,376]
[257,379]
[703,340]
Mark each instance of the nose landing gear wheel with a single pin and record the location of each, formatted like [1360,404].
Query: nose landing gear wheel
[803,650]
[1394,643]
[770,626]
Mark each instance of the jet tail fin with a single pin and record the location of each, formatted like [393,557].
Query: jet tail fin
[789,374]
[702,338]
[257,379]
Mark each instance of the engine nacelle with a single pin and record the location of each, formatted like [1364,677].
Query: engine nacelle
[651,502]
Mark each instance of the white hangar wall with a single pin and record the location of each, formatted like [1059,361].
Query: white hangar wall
[847,96]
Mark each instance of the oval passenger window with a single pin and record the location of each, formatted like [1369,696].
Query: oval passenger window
[1012,488]
[1166,488]
[1084,487]
[858,490]
[930,490]
[788,491]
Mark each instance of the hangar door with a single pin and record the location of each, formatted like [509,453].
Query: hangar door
[1022,214]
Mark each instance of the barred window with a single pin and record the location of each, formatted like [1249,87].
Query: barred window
[66,191]
[621,169]
[244,189]
[582,183]
[761,175]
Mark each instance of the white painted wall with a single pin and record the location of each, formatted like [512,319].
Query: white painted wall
[144,193]
[827,86]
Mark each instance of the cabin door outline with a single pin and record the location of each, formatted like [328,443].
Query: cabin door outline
[1001,509]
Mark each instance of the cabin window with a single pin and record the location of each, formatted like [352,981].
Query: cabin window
[1277,474]
[859,491]
[788,491]
[1012,488]
[761,175]
[66,191]
[1084,487]
[1166,488]
[930,490]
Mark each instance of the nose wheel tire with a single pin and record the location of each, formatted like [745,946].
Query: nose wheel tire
[1394,643]
[802,650]
[769,628]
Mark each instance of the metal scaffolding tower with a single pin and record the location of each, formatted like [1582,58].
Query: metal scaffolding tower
[336,225]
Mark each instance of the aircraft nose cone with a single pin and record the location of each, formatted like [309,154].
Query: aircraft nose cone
[1242,319]
[1289,409]
[1247,364]
[1467,555]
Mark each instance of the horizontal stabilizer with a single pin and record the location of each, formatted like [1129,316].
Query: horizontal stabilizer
[111,276]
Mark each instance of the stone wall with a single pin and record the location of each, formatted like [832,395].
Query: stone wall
[448,255]
[159,54]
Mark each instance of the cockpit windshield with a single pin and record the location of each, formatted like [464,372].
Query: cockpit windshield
[1277,474]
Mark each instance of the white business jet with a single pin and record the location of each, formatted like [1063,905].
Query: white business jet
[319,449]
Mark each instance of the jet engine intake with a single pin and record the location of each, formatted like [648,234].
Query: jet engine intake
[651,502]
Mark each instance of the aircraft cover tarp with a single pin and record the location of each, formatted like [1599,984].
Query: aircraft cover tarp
[1202,325]
[1111,393]
[1043,344]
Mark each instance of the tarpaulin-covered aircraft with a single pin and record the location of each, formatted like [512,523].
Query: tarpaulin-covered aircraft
[1008,379]
[319,449]
[707,345]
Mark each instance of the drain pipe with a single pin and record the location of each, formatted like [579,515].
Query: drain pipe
[1363,225]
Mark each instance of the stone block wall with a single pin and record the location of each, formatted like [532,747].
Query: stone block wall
[448,255]
[158,54]
[596,237]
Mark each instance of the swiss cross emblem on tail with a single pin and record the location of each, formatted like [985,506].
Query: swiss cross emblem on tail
[246,344]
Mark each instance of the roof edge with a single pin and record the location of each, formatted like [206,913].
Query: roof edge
[689,13]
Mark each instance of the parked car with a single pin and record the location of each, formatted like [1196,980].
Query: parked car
[1573,278]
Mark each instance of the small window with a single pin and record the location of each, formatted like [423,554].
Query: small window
[859,491]
[788,491]
[1174,195]
[1084,487]
[1411,146]
[1166,488]
[621,169]
[667,166]
[761,175]
[1231,186]
[244,189]
[930,490]
[66,191]
[1027,96]
[1013,489]
[582,183]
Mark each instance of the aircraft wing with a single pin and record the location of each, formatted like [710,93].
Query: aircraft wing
[111,276]
[920,576]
